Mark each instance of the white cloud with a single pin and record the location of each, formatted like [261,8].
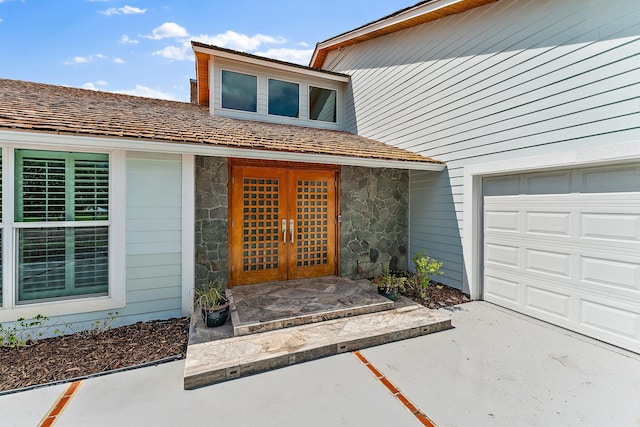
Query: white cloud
[126,10]
[297,56]
[85,59]
[302,44]
[126,40]
[78,60]
[167,30]
[118,60]
[182,53]
[93,85]
[146,92]
[236,41]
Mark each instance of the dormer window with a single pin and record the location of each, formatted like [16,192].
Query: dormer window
[239,91]
[322,104]
[284,98]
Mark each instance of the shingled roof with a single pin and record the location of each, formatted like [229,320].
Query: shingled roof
[35,107]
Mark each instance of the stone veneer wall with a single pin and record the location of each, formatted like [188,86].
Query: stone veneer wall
[375,221]
[211,194]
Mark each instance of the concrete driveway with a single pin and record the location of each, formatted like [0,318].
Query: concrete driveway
[496,368]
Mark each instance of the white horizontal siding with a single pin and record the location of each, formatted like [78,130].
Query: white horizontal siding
[511,79]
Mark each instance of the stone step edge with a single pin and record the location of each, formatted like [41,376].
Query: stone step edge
[288,322]
[232,372]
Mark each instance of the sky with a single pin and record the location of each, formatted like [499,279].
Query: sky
[142,47]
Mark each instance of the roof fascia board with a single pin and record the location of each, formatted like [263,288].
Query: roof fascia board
[270,64]
[379,25]
[51,140]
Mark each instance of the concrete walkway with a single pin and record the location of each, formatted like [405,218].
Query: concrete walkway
[496,368]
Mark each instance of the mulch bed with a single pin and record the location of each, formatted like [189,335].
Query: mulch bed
[438,296]
[83,354]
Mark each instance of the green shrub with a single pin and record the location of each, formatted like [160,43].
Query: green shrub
[426,268]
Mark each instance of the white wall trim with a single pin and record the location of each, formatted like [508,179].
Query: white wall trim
[188,231]
[55,141]
[472,202]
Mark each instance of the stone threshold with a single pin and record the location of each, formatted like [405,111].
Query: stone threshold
[217,361]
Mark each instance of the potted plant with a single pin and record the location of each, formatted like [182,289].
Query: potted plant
[212,303]
[390,285]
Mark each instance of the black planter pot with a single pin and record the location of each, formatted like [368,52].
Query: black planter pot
[216,316]
[392,294]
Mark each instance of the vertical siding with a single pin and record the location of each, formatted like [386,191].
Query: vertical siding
[511,79]
[154,224]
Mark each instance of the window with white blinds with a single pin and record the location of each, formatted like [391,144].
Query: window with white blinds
[62,217]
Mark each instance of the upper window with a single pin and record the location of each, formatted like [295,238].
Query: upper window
[239,91]
[322,104]
[284,98]
[70,258]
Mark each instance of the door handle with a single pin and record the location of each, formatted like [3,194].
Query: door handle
[284,231]
[291,229]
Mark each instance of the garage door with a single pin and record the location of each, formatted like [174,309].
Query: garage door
[564,247]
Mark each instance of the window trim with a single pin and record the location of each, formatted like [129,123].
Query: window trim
[116,298]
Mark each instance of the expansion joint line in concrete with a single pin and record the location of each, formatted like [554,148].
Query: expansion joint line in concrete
[424,420]
[60,404]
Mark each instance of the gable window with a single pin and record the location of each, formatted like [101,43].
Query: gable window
[239,91]
[284,98]
[62,222]
[322,104]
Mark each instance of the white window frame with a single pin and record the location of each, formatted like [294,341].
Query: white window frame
[116,297]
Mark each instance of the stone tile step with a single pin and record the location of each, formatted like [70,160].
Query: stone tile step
[266,307]
[253,327]
[217,361]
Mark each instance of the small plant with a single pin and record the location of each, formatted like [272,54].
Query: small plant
[389,284]
[23,332]
[210,296]
[426,268]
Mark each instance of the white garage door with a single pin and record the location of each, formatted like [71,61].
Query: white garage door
[564,247]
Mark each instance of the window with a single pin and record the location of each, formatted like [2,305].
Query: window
[239,91]
[284,98]
[322,104]
[62,221]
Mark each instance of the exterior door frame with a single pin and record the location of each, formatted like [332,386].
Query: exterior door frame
[290,166]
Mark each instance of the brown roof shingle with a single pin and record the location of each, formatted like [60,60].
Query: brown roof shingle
[39,107]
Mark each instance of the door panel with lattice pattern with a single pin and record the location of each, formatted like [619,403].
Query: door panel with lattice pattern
[312,208]
[258,207]
[283,224]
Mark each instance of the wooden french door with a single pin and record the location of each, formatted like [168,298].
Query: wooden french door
[282,222]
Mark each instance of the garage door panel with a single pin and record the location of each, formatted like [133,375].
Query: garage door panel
[613,227]
[500,220]
[610,273]
[605,318]
[547,262]
[502,289]
[549,302]
[548,223]
[557,250]
[505,255]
